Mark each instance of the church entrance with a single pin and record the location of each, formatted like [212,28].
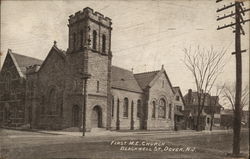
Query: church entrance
[75,116]
[96,117]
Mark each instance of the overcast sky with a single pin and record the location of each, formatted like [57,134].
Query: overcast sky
[145,35]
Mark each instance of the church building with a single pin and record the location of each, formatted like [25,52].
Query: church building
[58,92]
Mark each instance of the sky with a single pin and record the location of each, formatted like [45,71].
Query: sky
[146,34]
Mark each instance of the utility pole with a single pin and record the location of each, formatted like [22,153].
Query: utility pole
[239,11]
[0,60]
[85,76]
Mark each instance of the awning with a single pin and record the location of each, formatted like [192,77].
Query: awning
[177,112]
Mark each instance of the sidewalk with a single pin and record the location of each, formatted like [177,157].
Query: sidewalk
[108,133]
[141,133]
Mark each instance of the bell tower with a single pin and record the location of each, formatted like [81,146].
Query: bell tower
[89,28]
[89,52]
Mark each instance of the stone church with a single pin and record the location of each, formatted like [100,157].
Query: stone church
[58,92]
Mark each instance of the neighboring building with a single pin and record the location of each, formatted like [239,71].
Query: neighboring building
[227,116]
[179,117]
[211,107]
[52,91]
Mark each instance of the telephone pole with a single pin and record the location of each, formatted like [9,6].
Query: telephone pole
[238,15]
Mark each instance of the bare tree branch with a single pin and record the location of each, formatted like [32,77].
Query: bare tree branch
[229,95]
[205,66]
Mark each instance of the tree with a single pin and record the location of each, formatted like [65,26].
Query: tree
[229,92]
[205,66]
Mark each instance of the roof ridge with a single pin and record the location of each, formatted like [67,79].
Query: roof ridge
[121,68]
[147,72]
[25,56]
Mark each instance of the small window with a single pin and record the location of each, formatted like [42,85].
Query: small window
[139,109]
[112,106]
[170,111]
[163,84]
[81,39]
[179,108]
[97,86]
[125,107]
[94,39]
[52,101]
[177,98]
[153,109]
[103,43]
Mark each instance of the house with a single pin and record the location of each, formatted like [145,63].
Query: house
[179,117]
[51,94]
[211,108]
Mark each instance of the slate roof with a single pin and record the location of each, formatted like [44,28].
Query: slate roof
[124,79]
[145,78]
[22,61]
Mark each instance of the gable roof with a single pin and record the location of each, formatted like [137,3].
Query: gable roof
[178,89]
[124,79]
[145,78]
[22,61]
[57,50]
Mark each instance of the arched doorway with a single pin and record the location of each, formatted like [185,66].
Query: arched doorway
[75,116]
[96,117]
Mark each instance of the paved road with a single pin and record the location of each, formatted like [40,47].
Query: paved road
[48,144]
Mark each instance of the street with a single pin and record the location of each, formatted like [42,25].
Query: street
[190,144]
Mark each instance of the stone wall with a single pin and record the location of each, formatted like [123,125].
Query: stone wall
[161,89]
[125,122]
[50,90]
[12,94]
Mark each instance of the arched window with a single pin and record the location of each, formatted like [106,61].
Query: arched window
[112,106]
[8,82]
[74,41]
[162,108]
[81,39]
[139,109]
[94,39]
[103,43]
[153,109]
[132,109]
[97,86]
[52,101]
[125,107]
